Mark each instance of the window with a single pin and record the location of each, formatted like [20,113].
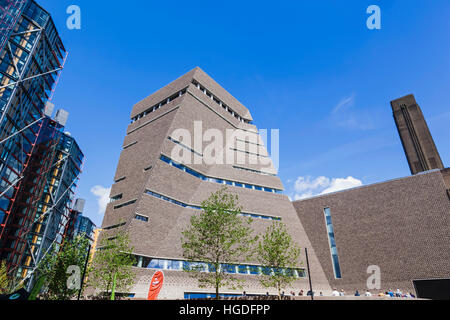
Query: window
[124,204]
[229,268]
[129,145]
[174,265]
[156,264]
[116,198]
[266,271]
[114,226]
[301,273]
[253,269]
[142,218]
[242,269]
[332,242]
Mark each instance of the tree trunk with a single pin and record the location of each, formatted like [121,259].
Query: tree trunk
[217,280]
[279,292]
[113,292]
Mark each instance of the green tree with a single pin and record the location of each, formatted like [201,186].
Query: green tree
[5,280]
[62,269]
[215,238]
[112,265]
[277,251]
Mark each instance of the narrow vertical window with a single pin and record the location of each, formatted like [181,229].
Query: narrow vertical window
[332,241]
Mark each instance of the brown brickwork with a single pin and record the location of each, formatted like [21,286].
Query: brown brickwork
[403,226]
[418,144]
[141,169]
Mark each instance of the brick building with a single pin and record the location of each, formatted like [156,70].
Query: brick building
[154,194]
[402,226]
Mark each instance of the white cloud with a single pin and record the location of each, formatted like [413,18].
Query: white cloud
[103,197]
[339,184]
[349,101]
[306,187]
[306,183]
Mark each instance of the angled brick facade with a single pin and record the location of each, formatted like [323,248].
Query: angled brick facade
[141,174]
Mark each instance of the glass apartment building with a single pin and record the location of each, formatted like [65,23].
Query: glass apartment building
[39,164]
[53,210]
[10,11]
[79,224]
[30,62]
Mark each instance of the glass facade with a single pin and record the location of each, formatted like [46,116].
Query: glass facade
[79,225]
[31,59]
[202,295]
[332,241]
[10,11]
[27,197]
[181,265]
[84,225]
[53,210]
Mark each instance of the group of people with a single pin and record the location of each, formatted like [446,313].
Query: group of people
[301,293]
[390,293]
[335,293]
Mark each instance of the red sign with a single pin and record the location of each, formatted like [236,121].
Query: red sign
[155,285]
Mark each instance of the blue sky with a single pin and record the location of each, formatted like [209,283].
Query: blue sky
[311,69]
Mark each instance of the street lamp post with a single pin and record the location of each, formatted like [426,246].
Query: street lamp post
[309,275]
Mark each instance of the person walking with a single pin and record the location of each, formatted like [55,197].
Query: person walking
[335,293]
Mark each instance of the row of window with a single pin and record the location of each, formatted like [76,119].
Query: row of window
[250,142]
[120,179]
[184,146]
[219,102]
[114,226]
[236,167]
[248,152]
[181,265]
[130,145]
[159,105]
[206,295]
[220,181]
[185,205]
[254,171]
